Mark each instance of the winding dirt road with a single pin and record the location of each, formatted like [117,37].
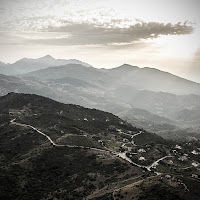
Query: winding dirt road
[117,154]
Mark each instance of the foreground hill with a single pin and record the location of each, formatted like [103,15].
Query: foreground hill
[44,171]
[51,150]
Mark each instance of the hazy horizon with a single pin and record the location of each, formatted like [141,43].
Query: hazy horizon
[105,34]
[103,67]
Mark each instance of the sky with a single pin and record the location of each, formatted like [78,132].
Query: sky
[162,34]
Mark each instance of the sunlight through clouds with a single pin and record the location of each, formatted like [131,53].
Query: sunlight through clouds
[167,31]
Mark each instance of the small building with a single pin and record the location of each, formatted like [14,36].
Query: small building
[141,151]
[194,176]
[178,147]
[142,158]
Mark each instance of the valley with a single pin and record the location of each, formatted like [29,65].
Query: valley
[120,91]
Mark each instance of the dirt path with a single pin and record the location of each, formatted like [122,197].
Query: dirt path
[117,154]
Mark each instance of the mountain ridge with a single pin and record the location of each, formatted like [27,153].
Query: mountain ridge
[105,95]
[142,78]
[26,65]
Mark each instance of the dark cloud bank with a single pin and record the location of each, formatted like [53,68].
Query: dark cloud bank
[93,34]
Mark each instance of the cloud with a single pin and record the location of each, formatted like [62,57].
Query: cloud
[70,25]
[105,34]
[8,38]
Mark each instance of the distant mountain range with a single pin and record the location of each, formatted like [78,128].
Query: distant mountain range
[154,80]
[135,77]
[146,97]
[26,65]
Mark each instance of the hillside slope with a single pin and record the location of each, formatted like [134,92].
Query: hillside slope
[92,88]
[51,150]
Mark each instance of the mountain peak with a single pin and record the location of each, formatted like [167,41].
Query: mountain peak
[47,57]
[126,67]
